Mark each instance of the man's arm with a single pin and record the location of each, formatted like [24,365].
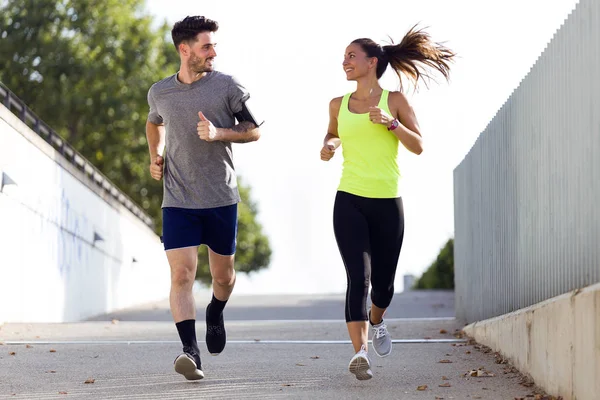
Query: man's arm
[155,134]
[244,132]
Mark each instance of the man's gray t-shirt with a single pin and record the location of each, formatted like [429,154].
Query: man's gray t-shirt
[197,173]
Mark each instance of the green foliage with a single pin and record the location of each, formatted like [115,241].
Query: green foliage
[440,274]
[85,67]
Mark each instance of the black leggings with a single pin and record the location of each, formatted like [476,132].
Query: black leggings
[369,235]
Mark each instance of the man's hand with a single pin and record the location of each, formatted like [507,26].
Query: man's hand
[378,116]
[156,167]
[206,130]
[327,152]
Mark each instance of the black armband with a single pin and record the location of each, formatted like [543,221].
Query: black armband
[246,115]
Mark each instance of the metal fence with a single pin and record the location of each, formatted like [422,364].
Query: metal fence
[527,195]
[13,103]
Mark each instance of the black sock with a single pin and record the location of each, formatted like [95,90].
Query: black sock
[187,334]
[371,322]
[215,309]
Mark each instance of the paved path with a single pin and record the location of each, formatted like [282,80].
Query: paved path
[272,353]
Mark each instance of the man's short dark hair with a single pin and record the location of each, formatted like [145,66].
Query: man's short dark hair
[188,28]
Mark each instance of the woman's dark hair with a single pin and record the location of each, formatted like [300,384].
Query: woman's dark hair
[188,28]
[410,56]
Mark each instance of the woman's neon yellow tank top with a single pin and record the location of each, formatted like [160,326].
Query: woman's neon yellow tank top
[370,151]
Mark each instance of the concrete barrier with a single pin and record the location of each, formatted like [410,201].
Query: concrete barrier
[556,342]
[68,249]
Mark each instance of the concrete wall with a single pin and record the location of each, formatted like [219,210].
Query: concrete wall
[557,342]
[527,218]
[68,249]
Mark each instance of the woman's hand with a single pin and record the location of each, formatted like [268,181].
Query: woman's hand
[378,116]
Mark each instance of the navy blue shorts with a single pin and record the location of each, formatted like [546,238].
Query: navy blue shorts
[214,227]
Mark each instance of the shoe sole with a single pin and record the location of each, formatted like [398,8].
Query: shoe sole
[381,355]
[360,368]
[186,367]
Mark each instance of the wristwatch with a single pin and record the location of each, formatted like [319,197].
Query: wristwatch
[394,125]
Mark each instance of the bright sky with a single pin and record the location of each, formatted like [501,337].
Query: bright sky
[289,56]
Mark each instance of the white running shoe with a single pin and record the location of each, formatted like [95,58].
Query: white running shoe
[188,367]
[360,365]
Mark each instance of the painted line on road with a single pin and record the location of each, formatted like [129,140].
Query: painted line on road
[315,321]
[258,341]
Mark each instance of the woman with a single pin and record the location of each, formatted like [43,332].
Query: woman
[368,216]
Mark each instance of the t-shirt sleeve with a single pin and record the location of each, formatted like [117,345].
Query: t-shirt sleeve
[153,115]
[237,95]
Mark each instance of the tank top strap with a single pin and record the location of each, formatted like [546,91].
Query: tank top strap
[344,106]
[383,101]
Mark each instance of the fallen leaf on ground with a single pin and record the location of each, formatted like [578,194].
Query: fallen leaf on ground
[478,373]
[500,359]
[448,354]
[52,351]
[445,385]
[445,378]
[90,380]
[526,382]
[62,392]
[12,353]
[51,372]
[300,365]
[468,352]
[287,384]
[257,340]
[28,346]
[315,357]
[476,397]
[427,337]
[445,362]
[422,388]
[439,398]
[443,331]
[115,321]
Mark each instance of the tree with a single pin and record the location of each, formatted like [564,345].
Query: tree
[440,274]
[85,67]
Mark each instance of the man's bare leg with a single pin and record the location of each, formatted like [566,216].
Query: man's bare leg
[183,263]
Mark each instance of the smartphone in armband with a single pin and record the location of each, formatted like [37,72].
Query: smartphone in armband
[247,115]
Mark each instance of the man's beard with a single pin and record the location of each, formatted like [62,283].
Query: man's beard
[199,66]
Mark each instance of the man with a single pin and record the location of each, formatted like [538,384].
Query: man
[192,119]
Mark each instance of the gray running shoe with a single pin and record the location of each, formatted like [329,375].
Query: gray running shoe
[382,341]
